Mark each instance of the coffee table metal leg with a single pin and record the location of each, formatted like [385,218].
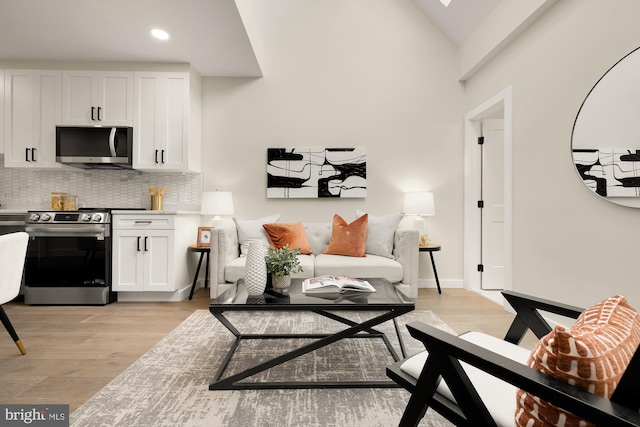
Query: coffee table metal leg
[232,382]
[400,340]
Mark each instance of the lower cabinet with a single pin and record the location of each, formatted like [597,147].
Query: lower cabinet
[150,257]
[143,260]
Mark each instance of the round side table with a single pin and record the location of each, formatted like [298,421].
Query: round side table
[431,248]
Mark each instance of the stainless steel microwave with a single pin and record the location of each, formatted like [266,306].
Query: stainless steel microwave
[95,147]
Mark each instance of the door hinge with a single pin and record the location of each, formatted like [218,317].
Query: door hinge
[481,204]
[481,140]
[480,268]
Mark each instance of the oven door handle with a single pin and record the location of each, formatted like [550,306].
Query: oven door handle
[66,232]
[97,236]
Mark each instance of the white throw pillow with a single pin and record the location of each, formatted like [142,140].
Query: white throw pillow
[380,233]
[249,230]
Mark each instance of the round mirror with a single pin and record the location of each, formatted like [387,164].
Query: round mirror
[606,134]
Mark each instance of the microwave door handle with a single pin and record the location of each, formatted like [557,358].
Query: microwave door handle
[112,142]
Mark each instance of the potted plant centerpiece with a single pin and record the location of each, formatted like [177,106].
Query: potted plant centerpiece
[281,263]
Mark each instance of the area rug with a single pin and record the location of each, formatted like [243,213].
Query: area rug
[168,385]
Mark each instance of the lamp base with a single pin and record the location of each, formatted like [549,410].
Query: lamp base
[418,223]
[216,221]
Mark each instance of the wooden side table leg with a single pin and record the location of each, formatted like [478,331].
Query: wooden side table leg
[435,272]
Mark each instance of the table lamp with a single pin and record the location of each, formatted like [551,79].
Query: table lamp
[216,203]
[419,203]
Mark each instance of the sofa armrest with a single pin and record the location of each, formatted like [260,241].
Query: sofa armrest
[224,248]
[406,252]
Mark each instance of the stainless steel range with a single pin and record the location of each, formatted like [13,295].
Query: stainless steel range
[69,257]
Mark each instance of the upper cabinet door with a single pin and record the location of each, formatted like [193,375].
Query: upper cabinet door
[164,121]
[97,98]
[32,110]
[115,91]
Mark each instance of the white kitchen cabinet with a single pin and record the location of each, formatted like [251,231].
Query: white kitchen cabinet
[162,272]
[32,108]
[97,98]
[167,108]
[143,253]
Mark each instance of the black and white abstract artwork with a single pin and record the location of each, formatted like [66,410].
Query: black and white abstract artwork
[610,172]
[316,173]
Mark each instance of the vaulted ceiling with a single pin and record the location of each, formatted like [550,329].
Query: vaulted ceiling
[209,34]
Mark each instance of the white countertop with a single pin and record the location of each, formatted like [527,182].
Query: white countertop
[168,212]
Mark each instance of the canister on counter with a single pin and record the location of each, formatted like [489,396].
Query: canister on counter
[57,201]
[70,202]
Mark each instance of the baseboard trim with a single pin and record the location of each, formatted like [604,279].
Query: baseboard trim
[174,296]
[449,283]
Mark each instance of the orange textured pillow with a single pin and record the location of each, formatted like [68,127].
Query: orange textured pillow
[348,239]
[293,235]
[592,355]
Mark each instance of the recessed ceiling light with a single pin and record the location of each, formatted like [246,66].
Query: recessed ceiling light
[160,34]
[445,2]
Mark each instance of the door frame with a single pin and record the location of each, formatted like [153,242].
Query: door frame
[502,101]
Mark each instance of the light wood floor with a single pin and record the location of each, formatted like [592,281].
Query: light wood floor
[74,351]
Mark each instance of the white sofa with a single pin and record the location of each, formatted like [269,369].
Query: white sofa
[226,265]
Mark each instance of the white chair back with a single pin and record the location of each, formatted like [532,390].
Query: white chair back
[13,252]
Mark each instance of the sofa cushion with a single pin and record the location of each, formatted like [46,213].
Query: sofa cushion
[380,232]
[280,235]
[371,266]
[319,235]
[348,238]
[234,270]
[592,355]
[249,230]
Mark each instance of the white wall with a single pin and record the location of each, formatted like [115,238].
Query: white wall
[568,243]
[371,73]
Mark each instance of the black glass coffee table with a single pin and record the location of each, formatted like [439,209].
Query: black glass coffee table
[387,303]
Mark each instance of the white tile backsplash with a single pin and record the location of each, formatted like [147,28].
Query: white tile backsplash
[31,189]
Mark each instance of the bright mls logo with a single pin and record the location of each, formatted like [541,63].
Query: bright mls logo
[34,415]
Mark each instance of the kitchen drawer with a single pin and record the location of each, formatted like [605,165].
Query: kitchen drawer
[142,222]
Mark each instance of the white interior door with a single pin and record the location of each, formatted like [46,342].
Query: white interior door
[499,106]
[492,222]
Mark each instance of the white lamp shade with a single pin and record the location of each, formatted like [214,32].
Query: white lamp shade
[419,203]
[216,203]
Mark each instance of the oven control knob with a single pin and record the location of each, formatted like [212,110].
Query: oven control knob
[97,217]
[86,217]
[45,217]
[34,217]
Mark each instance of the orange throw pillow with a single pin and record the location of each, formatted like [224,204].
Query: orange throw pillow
[293,235]
[348,239]
[592,355]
